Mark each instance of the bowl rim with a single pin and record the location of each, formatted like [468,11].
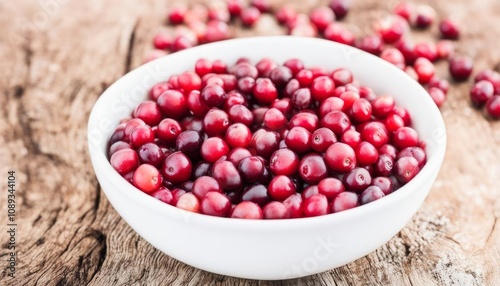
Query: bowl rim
[101,163]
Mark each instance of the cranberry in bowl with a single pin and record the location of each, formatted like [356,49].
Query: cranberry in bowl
[324,234]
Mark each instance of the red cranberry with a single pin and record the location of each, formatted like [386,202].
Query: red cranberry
[426,50]
[190,123]
[295,65]
[366,154]
[280,76]
[330,104]
[219,67]
[149,112]
[195,105]
[274,119]
[284,162]
[158,89]
[257,194]
[303,29]
[449,29]
[405,10]
[424,17]
[405,169]
[357,180]
[238,135]
[213,95]
[384,165]
[481,92]
[340,8]
[345,201]
[404,114]
[284,105]
[203,67]
[367,93]
[415,152]
[173,104]
[425,70]
[251,169]
[489,75]
[389,150]
[188,202]
[162,41]
[147,178]
[301,98]
[203,185]
[293,205]
[371,44]
[437,96]
[177,168]
[298,139]
[337,121]
[281,187]
[394,56]
[372,193]
[290,88]
[215,204]
[351,138]
[247,210]
[338,33]
[202,169]
[330,187]
[304,119]
[124,161]
[240,114]
[322,138]
[168,130]
[213,149]
[189,142]
[117,146]
[264,91]
[342,77]
[234,98]
[321,17]
[340,158]
[235,7]
[375,133]
[286,14]
[226,174]
[312,168]
[493,106]
[237,154]
[176,15]
[304,77]
[393,122]
[408,50]
[189,81]
[216,122]
[391,28]
[315,205]
[445,49]
[141,135]
[163,194]
[405,137]
[442,84]
[349,97]
[275,210]
[460,68]
[249,16]
[265,66]
[150,153]
[181,43]
[361,110]
[384,183]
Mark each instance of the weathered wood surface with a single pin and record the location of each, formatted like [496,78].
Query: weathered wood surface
[57,56]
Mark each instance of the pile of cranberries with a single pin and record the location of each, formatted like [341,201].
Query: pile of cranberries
[266,140]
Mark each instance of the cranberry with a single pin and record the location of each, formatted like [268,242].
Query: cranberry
[234,7]
[124,161]
[340,158]
[286,14]
[274,119]
[304,77]
[389,150]
[237,154]
[410,71]
[437,96]
[407,49]
[181,43]
[176,15]
[177,168]
[394,56]
[493,106]
[284,105]
[163,194]
[216,122]
[384,165]
[234,98]
[366,154]
[301,98]
[330,104]
[426,50]
[284,162]
[173,104]
[460,68]
[215,204]
[351,138]
[345,201]
[315,205]
[213,149]
[321,17]
[189,81]
[266,144]
[141,135]
[361,110]
[264,91]
[445,49]
[280,76]
[168,130]
[367,93]
[117,146]
[375,133]
[298,139]
[240,114]
[371,44]
[303,29]
[405,10]
[149,112]
[257,194]
[265,66]
[405,137]
[251,169]
[349,97]
[147,178]
[415,152]
[330,187]
[424,16]
[384,183]
[338,33]
[370,194]
[393,122]
[293,205]
[404,114]
[295,65]
[442,84]
[449,29]
[337,121]
[312,168]
[405,169]
[162,41]
[340,8]
[158,89]
[425,70]
[489,75]
[322,138]
[226,174]
[203,185]
[188,202]
[481,92]
[275,210]
[189,142]
[202,169]
[150,153]
[281,187]
[290,88]
[213,95]
[249,16]
[357,179]
[247,210]
[391,28]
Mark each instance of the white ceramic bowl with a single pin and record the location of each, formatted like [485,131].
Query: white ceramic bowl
[273,249]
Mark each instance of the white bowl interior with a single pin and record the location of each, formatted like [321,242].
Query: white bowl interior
[267,249]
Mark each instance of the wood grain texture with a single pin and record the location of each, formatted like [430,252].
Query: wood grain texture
[58,56]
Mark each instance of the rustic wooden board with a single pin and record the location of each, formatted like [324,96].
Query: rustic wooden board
[59,55]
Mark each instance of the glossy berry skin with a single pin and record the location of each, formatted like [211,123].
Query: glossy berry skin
[173,104]
[366,154]
[188,202]
[322,88]
[312,168]
[251,169]
[284,162]
[449,29]
[124,161]
[266,143]
[264,91]
[481,92]
[275,210]
[338,33]
[216,122]
[405,137]
[321,139]
[204,185]
[375,133]
[315,205]
[405,169]
[249,16]
[240,114]
[163,194]
[437,96]
[426,50]
[415,152]
[195,104]
[213,95]
[370,194]
[147,178]
[330,187]
[213,149]
[493,107]
[189,142]
[274,119]
[247,210]
[357,180]
[371,44]
[280,188]
[215,204]
[321,17]
[298,140]
[238,135]
[340,8]
[337,121]
[226,174]
[425,16]
[177,168]
[340,158]
[117,146]
[301,98]
[425,70]
[460,68]
[385,184]
[149,112]
[384,165]
[150,153]
[345,201]
[257,194]
[141,135]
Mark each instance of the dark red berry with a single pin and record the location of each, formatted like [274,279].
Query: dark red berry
[357,180]
[213,149]
[370,194]
[345,201]
[251,169]
[460,68]
[481,92]
[284,162]
[177,168]
[340,158]
[405,169]
[173,104]
[449,29]
[315,205]
[226,174]
[312,168]
[281,187]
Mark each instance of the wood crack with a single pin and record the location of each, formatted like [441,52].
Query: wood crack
[130,47]
[490,235]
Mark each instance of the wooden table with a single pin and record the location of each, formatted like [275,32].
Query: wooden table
[58,56]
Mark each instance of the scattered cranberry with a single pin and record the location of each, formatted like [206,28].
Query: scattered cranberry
[425,16]
[405,10]
[425,69]
[437,95]
[371,44]
[391,29]
[176,15]
[338,33]
[493,107]
[322,17]
[481,92]
[340,8]
[249,16]
[460,68]
[394,56]
[449,29]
